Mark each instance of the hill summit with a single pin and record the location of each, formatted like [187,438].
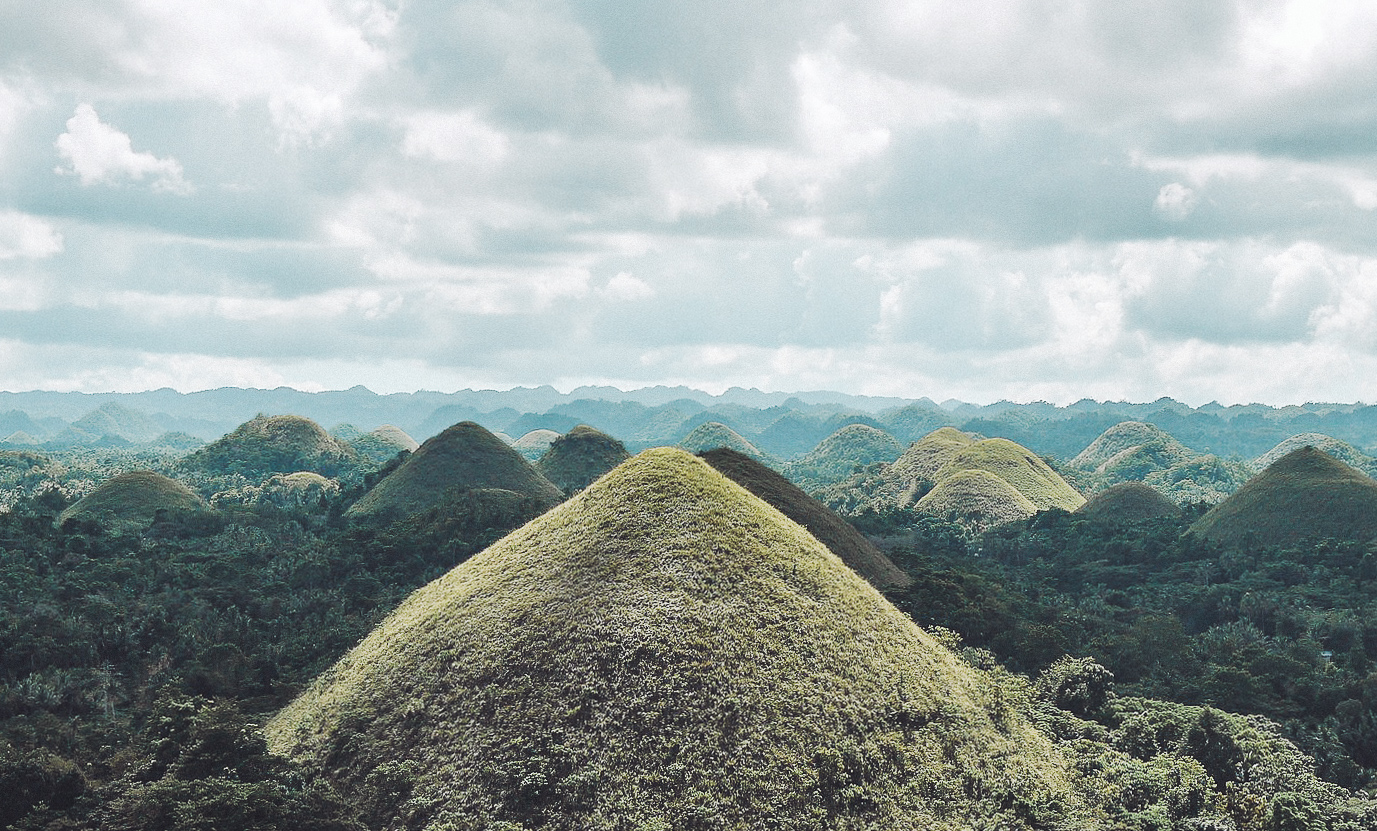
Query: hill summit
[713,434]
[1128,502]
[665,650]
[265,445]
[134,499]
[577,458]
[1306,493]
[463,457]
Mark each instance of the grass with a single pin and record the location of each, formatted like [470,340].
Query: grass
[665,650]
[1018,466]
[463,456]
[838,455]
[1129,502]
[1341,450]
[831,530]
[714,434]
[380,445]
[1114,448]
[134,499]
[274,444]
[925,457]
[977,498]
[533,445]
[576,459]
[1305,494]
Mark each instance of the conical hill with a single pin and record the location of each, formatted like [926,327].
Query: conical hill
[533,445]
[134,500]
[1018,466]
[380,445]
[714,434]
[465,456]
[577,458]
[665,650]
[976,498]
[838,455]
[831,530]
[921,461]
[1341,450]
[1128,502]
[1126,438]
[1305,494]
[265,445]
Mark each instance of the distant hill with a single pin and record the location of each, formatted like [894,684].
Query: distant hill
[1018,466]
[831,530]
[976,498]
[1341,450]
[115,419]
[133,500]
[1306,493]
[577,458]
[266,445]
[665,650]
[1129,451]
[1128,502]
[1208,479]
[533,444]
[714,434]
[379,445]
[463,457]
[838,455]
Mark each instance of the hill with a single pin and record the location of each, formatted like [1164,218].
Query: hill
[133,500]
[977,499]
[1305,494]
[714,434]
[465,456]
[265,445]
[1207,479]
[837,456]
[380,445]
[665,650]
[1341,450]
[533,444]
[1124,438]
[831,530]
[921,461]
[1128,502]
[577,458]
[1018,466]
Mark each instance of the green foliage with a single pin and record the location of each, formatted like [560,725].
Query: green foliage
[844,452]
[576,459]
[266,445]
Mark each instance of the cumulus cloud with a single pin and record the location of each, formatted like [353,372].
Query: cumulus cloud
[100,154]
[1175,201]
[27,236]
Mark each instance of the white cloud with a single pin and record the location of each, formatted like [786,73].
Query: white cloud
[1175,201]
[27,236]
[626,287]
[454,137]
[101,154]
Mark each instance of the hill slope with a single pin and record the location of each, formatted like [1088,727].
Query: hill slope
[665,650]
[714,434]
[831,530]
[265,445]
[1306,493]
[464,456]
[1341,450]
[837,456]
[134,499]
[976,498]
[1128,502]
[1018,466]
[534,443]
[380,445]
[577,458]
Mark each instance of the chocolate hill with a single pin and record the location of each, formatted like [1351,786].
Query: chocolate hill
[1305,494]
[1131,450]
[919,464]
[835,457]
[265,445]
[465,456]
[134,499]
[533,445]
[714,434]
[831,530]
[1128,502]
[1341,450]
[380,445]
[665,650]
[577,458]
[978,499]
[1020,467]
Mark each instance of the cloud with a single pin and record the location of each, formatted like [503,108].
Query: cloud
[28,237]
[101,154]
[625,286]
[1175,201]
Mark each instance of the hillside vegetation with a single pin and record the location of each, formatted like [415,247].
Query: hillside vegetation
[266,445]
[136,499]
[576,459]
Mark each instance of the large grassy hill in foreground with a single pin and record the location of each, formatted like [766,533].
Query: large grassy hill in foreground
[665,650]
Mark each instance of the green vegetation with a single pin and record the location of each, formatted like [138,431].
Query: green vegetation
[380,445]
[576,459]
[713,435]
[666,650]
[1341,450]
[1306,493]
[274,444]
[1128,502]
[136,499]
[465,456]
[977,499]
[840,537]
[1018,466]
[843,453]
[1130,450]
[1204,479]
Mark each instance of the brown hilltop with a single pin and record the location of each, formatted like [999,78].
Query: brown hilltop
[134,499]
[465,456]
[1305,494]
[1129,502]
[831,530]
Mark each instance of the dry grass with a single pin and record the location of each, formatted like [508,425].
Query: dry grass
[134,499]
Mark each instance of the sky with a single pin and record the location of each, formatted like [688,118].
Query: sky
[1021,199]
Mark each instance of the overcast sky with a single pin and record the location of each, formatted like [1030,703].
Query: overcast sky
[981,200]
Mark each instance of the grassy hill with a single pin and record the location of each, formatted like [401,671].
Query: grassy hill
[1341,450]
[714,434]
[1128,502]
[266,445]
[1207,479]
[831,530]
[1306,493]
[921,461]
[1128,436]
[977,499]
[134,499]
[837,456]
[579,457]
[534,443]
[665,650]
[465,456]
[380,445]
[1018,466]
